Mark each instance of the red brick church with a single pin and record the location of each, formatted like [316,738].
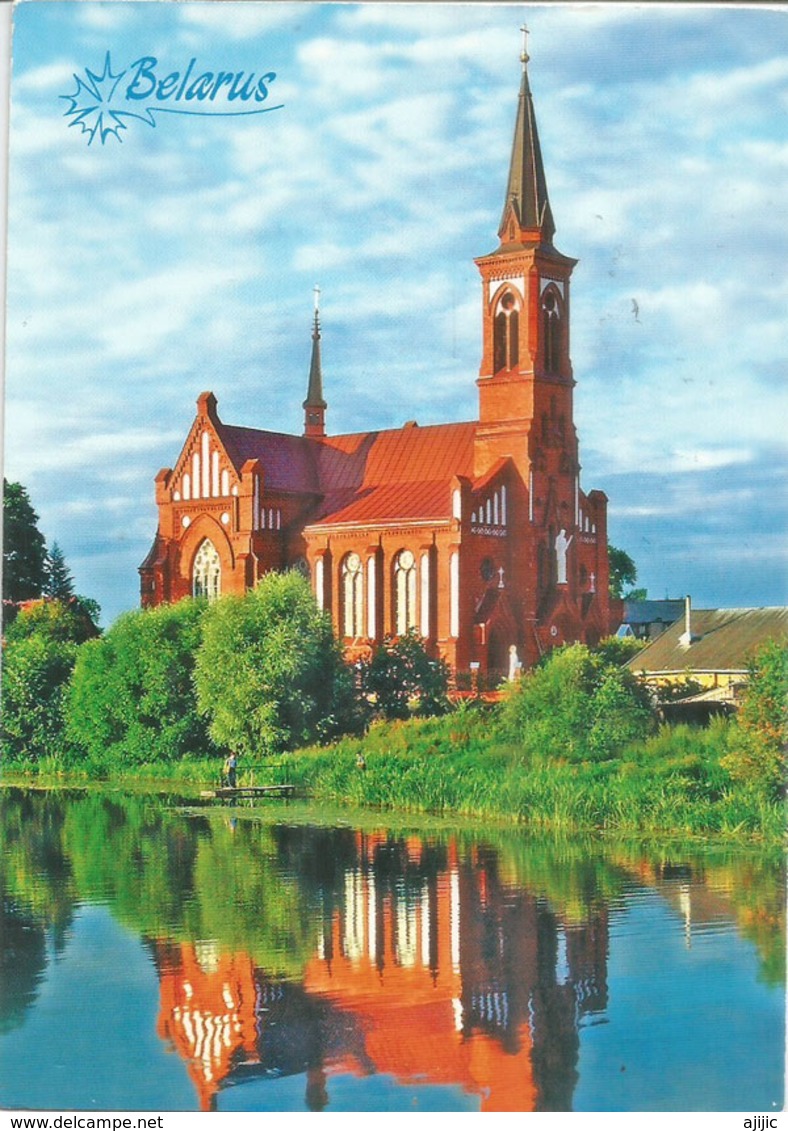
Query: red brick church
[477,535]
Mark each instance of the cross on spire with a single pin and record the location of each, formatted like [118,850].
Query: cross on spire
[316,289]
[524,56]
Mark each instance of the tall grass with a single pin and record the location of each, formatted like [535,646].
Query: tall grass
[669,785]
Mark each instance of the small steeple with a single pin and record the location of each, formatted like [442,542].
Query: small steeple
[314,405]
[526,210]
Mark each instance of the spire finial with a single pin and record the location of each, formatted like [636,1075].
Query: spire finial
[316,329]
[524,56]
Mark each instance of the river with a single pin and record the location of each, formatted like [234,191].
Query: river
[160,956]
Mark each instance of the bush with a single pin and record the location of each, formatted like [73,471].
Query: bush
[132,697]
[269,674]
[761,735]
[401,679]
[575,706]
[618,649]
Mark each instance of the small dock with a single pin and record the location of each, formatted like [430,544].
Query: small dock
[242,793]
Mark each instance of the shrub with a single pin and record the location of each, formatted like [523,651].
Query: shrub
[578,707]
[269,673]
[618,649]
[132,698]
[761,735]
[401,679]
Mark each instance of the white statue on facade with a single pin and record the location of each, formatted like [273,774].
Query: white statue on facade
[514,662]
[562,544]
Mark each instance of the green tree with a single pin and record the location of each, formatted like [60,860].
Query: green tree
[36,671]
[760,741]
[59,582]
[402,679]
[576,706]
[24,548]
[269,673]
[40,651]
[623,573]
[132,697]
[62,620]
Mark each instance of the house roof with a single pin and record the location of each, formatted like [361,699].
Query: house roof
[723,640]
[652,612]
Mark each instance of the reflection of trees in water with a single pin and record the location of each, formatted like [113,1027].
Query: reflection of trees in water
[23,960]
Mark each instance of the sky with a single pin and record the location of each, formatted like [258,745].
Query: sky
[181,255]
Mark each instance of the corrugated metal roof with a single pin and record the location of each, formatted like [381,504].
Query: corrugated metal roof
[410,454]
[723,641]
[288,461]
[389,503]
[357,461]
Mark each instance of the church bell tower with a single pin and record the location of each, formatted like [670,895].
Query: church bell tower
[525,378]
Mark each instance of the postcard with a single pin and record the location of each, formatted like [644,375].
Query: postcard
[457,331]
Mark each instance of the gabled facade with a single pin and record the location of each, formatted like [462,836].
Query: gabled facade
[477,535]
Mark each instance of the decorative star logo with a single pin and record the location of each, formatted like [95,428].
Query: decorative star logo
[89,104]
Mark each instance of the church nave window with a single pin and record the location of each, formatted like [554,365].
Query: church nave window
[207,572]
[352,595]
[404,592]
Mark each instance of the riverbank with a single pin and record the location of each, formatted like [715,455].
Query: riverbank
[670,785]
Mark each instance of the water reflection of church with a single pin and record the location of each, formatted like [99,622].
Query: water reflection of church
[427,967]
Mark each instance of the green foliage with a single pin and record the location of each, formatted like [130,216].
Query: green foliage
[401,679]
[24,548]
[59,582]
[761,739]
[132,696]
[38,658]
[576,706]
[36,670]
[680,687]
[269,674]
[58,620]
[623,571]
[618,649]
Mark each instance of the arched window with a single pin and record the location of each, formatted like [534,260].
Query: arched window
[552,330]
[352,595]
[404,592]
[506,334]
[207,572]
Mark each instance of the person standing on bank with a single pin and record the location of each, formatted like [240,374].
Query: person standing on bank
[230,770]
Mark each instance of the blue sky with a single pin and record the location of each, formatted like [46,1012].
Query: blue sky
[183,258]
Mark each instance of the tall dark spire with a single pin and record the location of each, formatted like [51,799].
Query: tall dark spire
[526,209]
[314,405]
